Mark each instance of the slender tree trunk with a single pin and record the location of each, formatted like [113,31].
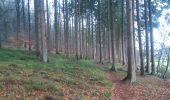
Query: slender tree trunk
[18,18]
[60,29]
[151,38]
[139,38]
[56,26]
[89,37]
[76,26]
[133,7]
[67,28]
[93,48]
[83,36]
[40,20]
[29,25]
[48,26]
[147,38]
[37,44]
[23,13]
[159,61]
[104,43]
[122,33]
[111,33]
[168,61]
[0,40]
[131,57]
[99,29]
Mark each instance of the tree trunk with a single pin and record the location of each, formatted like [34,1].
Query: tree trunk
[29,25]
[56,26]
[159,62]
[131,65]
[67,28]
[23,14]
[48,26]
[0,40]
[151,38]
[76,26]
[147,38]
[99,30]
[140,40]
[37,44]
[111,33]
[168,61]
[18,19]
[40,20]
[122,33]
[93,49]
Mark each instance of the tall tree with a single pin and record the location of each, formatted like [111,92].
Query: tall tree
[56,26]
[23,14]
[131,76]
[99,32]
[122,34]
[111,33]
[66,31]
[167,66]
[40,29]
[76,26]
[29,25]
[48,26]
[146,37]
[0,40]
[139,38]
[17,4]
[151,38]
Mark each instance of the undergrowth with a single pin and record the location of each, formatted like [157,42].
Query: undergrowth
[24,70]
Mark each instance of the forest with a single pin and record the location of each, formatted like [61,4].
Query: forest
[84,50]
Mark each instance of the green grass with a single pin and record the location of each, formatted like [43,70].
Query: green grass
[38,84]
[25,69]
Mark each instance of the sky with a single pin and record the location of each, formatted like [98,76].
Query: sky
[162,31]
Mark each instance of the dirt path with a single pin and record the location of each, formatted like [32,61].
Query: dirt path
[146,88]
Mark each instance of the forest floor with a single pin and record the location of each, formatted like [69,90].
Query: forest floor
[24,77]
[146,88]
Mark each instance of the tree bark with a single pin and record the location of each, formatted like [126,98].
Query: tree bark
[56,26]
[168,61]
[147,38]
[139,38]
[131,65]
[0,40]
[111,33]
[48,26]
[76,26]
[29,25]
[40,20]
[99,30]
[23,14]
[151,38]
[18,18]
[159,62]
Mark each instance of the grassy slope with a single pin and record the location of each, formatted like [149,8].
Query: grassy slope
[24,76]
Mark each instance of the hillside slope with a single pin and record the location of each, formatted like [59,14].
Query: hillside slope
[24,77]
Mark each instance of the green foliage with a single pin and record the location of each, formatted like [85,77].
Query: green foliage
[17,55]
[37,84]
[106,95]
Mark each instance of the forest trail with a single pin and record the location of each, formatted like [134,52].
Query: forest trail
[146,88]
